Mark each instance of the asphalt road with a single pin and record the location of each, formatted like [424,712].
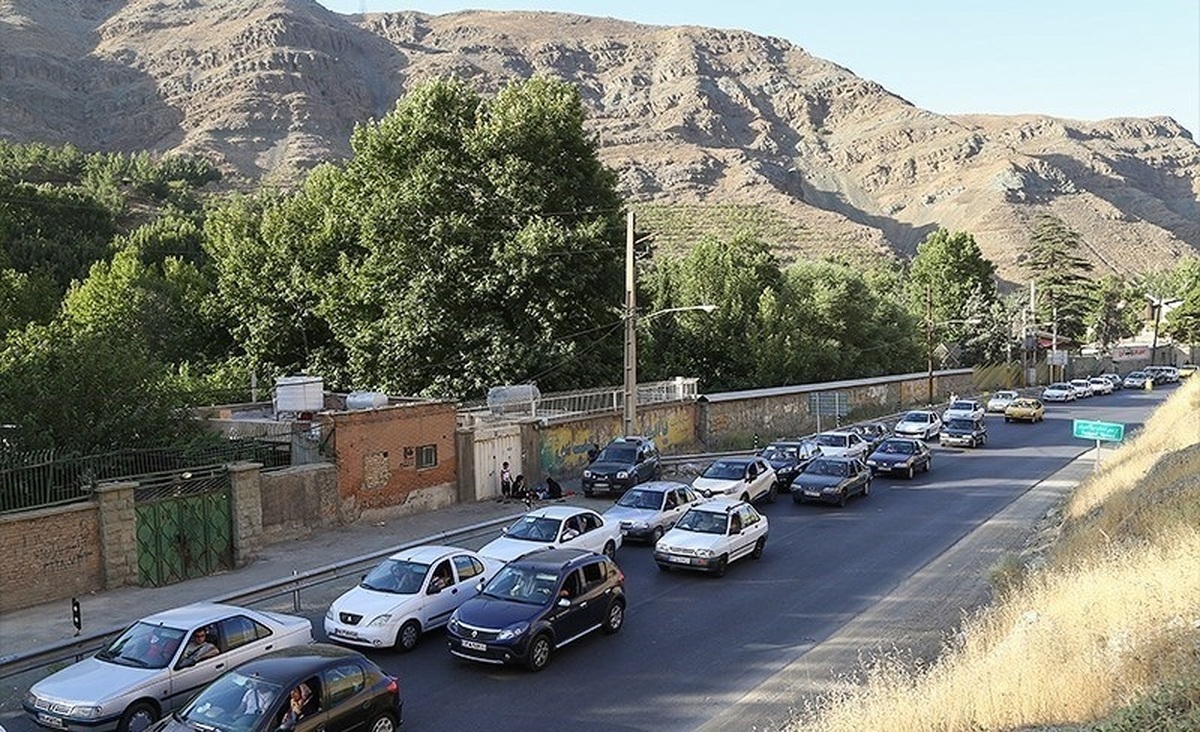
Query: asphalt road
[694,647]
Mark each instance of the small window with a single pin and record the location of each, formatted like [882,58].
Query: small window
[343,682]
[427,456]
[240,630]
[593,574]
[467,567]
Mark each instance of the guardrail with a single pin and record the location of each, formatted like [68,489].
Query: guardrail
[76,648]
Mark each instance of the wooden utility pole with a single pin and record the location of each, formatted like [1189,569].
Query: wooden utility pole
[630,421]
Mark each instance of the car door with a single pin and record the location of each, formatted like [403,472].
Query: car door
[346,698]
[187,677]
[572,617]
[744,530]
[441,598]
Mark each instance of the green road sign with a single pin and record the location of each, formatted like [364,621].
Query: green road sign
[1108,431]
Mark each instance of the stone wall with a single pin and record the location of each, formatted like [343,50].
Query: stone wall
[562,445]
[51,554]
[297,500]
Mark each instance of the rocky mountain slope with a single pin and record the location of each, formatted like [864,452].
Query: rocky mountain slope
[697,117]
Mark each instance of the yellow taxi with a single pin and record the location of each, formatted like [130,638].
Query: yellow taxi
[1187,370]
[1025,409]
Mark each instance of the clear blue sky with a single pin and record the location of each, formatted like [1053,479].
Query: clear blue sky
[1081,59]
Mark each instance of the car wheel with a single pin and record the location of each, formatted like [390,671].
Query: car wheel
[383,723]
[137,717]
[615,617]
[867,486]
[928,464]
[610,550]
[721,566]
[656,534]
[540,650]
[842,500]
[407,636]
[1008,419]
[758,548]
[772,492]
[911,472]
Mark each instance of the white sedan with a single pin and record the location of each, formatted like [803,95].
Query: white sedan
[711,535]
[1101,385]
[963,409]
[1000,400]
[748,478]
[1058,392]
[410,592]
[919,423]
[1082,388]
[150,668]
[553,527]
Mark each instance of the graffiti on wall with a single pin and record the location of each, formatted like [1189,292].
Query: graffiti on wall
[564,447]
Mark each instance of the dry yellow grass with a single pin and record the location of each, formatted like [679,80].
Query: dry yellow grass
[1113,612]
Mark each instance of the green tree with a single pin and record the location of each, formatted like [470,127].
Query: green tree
[1183,322]
[1116,313]
[1059,274]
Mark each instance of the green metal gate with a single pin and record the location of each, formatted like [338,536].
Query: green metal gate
[184,526]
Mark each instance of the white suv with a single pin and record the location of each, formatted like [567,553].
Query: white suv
[746,477]
[711,535]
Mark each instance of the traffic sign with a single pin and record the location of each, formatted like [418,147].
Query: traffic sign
[1091,430]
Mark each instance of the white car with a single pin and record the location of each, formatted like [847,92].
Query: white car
[553,527]
[748,478]
[1082,388]
[1101,385]
[842,444]
[711,535]
[919,423]
[146,671]
[1137,380]
[408,593]
[1058,392]
[963,409]
[1000,400]
[647,511]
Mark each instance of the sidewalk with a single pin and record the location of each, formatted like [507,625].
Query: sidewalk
[41,625]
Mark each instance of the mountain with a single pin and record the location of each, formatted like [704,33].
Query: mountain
[732,128]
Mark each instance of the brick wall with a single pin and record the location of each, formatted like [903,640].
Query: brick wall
[51,554]
[379,453]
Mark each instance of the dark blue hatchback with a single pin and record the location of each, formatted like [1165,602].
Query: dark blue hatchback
[537,604]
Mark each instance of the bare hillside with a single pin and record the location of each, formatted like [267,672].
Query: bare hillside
[686,115]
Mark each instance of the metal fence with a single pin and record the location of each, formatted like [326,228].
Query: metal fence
[589,401]
[41,478]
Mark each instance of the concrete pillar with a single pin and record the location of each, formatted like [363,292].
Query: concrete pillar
[118,533]
[245,497]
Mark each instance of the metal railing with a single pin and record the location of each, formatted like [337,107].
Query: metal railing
[76,648]
[589,401]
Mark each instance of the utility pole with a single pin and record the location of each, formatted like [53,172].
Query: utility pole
[929,337]
[1054,339]
[630,329]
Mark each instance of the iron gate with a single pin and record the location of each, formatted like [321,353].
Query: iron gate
[184,525]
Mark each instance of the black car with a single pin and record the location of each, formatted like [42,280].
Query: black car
[900,455]
[622,464]
[964,432]
[538,604]
[832,480]
[334,689]
[789,457]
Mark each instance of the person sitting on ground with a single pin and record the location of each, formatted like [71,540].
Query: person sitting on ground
[553,489]
[199,647]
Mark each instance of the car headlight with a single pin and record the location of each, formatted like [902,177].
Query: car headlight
[31,698]
[513,631]
[621,475]
[587,473]
[704,552]
[86,712]
[329,614]
[639,525]
[452,623]
[379,620]
[872,463]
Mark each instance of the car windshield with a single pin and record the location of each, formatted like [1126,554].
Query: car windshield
[1136,375]
[1025,404]
[831,440]
[702,522]
[534,528]
[396,576]
[222,704]
[640,498]
[725,470]
[778,452]
[1005,395]
[963,406]
[828,467]
[1059,387]
[144,645]
[522,584]
[961,424]
[901,447]
[624,454]
[916,417]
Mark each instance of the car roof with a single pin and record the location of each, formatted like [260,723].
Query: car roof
[427,553]
[558,512]
[925,412]
[837,458]
[556,558]
[901,438]
[659,486]
[630,439]
[721,504]
[286,664]
[197,613]
[743,459]
[838,433]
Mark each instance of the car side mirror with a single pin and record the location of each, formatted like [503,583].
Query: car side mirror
[479,586]
[563,602]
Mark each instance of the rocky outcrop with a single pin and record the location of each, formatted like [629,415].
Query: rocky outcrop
[685,115]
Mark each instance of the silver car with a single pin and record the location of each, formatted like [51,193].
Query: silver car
[648,511]
[151,668]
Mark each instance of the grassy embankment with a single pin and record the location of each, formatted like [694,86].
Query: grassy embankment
[1100,631]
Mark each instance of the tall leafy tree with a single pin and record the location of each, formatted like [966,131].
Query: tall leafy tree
[953,287]
[1059,273]
[1183,322]
[1116,312]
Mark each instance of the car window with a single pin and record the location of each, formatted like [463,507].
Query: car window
[343,682]
[144,645]
[467,567]
[593,575]
[397,576]
[725,470]
[617,454]
[749,516]
[831,440]
[735,523]
[534,528]
[703,522]
[240,630]
[442,574]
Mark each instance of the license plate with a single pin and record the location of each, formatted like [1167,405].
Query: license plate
[343,633]
[474,645]
[680,560]
[51,721]
[812,494]
[600,485]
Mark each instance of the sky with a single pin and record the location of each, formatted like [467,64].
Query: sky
[1079,59]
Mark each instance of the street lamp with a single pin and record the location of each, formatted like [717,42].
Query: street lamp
[631,318]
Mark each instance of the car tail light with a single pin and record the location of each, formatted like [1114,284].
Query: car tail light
[393,685]
[620,576]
